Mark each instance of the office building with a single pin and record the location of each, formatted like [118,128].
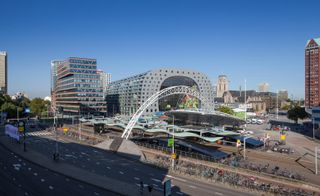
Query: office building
[78,89]
[3,72]
[312,73]
[222,86]
[108,78]
[127,95]
[103,80]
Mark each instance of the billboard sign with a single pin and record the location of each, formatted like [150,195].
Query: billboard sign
[12,131]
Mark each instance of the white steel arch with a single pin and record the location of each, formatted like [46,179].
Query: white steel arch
[205,104]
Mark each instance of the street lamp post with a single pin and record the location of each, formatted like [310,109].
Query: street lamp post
[316,159]
[313,127]
[173,142]
[277,105]
[56,154]
[245,102]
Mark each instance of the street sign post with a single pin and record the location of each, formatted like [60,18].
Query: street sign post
[173,155]
[22,129]
[316,159]
[167,188]
[65,129]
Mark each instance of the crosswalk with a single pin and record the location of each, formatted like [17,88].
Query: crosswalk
[39,133]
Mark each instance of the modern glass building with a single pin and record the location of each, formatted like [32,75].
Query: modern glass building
[127,95]
[78,87]
[3,72]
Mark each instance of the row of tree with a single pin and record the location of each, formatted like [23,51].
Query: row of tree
[15,107]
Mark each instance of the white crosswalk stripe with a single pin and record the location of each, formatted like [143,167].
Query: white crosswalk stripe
[38,133]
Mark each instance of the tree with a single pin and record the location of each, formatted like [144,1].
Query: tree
[10,109]
[225,109]
[37,106]
[297,113]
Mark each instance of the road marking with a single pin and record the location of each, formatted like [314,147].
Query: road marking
[192,187]
[35,174]
[96,193]
[29,168]
[80,186]
[217,193]
[26,193]
[144,185]
[69,155]
[121,172]
[136,178]
[98,163]
[67,179]
[156,180]
[51,187]
[176,178]
[108,167]
[179,193]
[16,166]
[42,180]
[154,184]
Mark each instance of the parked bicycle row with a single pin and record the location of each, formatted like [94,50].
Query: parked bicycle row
[227,177]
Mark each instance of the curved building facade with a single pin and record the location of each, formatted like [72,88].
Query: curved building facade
[127,95]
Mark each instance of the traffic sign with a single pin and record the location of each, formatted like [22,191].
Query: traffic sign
[26,110]
[21,126]
[174,155]
[65,129]
[170,142]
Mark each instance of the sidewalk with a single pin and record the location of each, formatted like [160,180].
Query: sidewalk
[110,184]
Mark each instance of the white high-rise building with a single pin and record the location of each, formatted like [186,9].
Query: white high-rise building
[103,79]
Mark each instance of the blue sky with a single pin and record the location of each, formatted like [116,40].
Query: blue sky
[262,41]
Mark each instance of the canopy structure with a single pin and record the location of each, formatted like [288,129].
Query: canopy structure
[213,118]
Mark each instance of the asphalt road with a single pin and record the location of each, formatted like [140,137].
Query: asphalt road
[117,167]
[21,177]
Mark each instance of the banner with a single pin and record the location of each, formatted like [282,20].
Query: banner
[12,131]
